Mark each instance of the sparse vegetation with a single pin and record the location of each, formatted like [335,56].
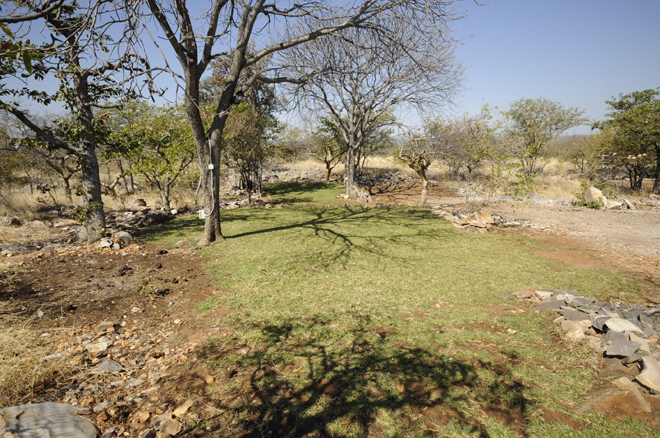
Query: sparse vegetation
[426,330]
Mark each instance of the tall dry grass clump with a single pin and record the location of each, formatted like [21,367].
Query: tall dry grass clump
[25,374]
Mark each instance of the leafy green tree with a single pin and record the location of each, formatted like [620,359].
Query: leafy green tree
[465,143]
[330,149]
[533,123]
[158,144]
[85,61]
[634,122]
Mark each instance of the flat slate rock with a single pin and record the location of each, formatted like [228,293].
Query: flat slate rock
[621,348]
[573,315]
[598,322]
[108,366]
[650,376]
[47,420]
[549,304]
[621,325]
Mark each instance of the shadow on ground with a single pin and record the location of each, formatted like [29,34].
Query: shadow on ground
[298,382]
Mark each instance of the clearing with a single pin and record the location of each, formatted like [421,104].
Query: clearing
[321,319]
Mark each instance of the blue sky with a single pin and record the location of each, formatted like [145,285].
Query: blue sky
[577,52]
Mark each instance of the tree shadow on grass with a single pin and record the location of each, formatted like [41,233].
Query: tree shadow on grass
[298,382]
[341,246]
[285,190]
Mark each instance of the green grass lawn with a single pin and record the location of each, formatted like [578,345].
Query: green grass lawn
[351,321]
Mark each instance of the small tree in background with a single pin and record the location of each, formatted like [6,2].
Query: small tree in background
[330,148]
[159,146]
[634,124]
[419,156]
[533,123]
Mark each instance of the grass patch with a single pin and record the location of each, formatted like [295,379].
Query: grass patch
[309,193]
[355,321]
[23,370]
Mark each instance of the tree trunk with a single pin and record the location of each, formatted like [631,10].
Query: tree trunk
[349,181]
[425,188]
[327,173]
[656,176]
[210,190]
[165,195]
[67,188]
[92,207]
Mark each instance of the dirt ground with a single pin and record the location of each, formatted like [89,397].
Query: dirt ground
[157,334]
[625,241]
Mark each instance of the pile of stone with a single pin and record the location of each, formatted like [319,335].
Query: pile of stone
[480,221]
[126,373]
[628,332]
[592,194]
[119,225]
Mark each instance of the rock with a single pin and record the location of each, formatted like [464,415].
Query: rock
[479,219]
[575,335]
[38,225]
[508,331]
[622,348]
[598,321]
[149,433]
[123,236]
[101,345]
[574,315]
[634,358]
[621,325]
[629,204]
[626,384]
[644,344]
[61,223]
[568,326]
[138,203]
[136,309]
[132,382]
[650,376]
[51,420]
[601,399]
[166,425]
[151,391]
[543,294]
[614,336]
[108,366]
[10,221]
[181,410]
[102,327]
[549,304]
[103,406]
[109,432]
[612,204]
[593,194]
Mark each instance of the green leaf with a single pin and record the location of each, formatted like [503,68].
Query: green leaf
[27,60]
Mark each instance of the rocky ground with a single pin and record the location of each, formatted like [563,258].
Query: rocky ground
[124,313]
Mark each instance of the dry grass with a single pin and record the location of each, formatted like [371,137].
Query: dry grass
[26,234]
[557,186]
[23,370]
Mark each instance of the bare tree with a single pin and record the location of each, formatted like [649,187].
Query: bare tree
[87,63]
[419,157]
[271,28]
[365,74]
